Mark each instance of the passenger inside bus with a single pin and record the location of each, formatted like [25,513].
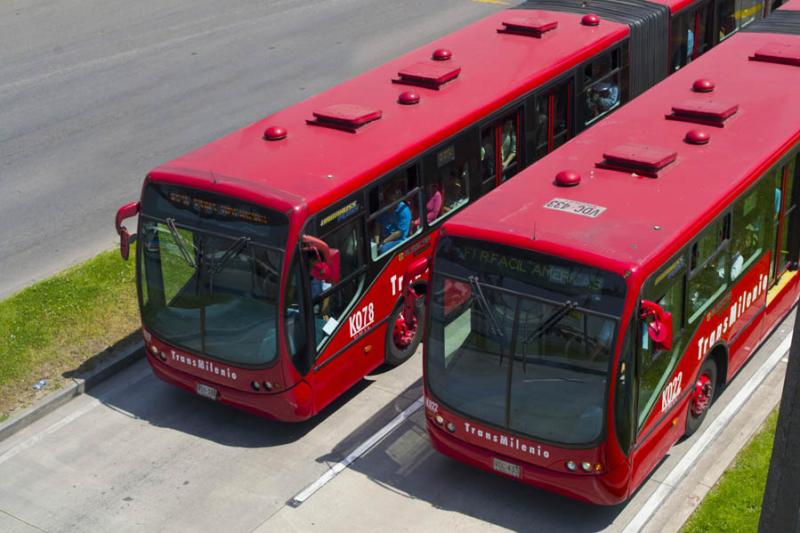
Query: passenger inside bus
[394,224]
[604,96]
[434,204]
[508,147]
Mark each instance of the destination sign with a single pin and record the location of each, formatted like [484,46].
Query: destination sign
[574,276]
[209,207]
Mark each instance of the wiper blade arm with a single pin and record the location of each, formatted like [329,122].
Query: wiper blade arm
[545,326]
[182,248]
[217,266]
[484,303]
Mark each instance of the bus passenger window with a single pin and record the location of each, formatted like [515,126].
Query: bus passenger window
[726,10]
[750,220]
[396,212]
[709,260]
[601,86]
[447,175]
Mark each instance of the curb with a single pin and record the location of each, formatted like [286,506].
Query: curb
[128,355]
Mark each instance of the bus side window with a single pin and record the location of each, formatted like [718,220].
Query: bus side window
[726,18]
[601,86]
[708,263]
[447,176]
[395,212]
[656,365]
[749,234]
[330,302]
[624,391]
[294,319]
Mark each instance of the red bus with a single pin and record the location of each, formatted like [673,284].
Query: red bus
[271,261]
[584,316]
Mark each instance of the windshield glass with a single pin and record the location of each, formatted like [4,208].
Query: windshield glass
[522,340]
[210,273]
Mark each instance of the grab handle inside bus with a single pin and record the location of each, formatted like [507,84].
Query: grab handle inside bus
[659,324]
[325,263]
[125,238]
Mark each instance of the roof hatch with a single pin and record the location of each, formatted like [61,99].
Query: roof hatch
[708,112]
[346,117]
[428,74]
[638,158]
[531,26]
[783,53]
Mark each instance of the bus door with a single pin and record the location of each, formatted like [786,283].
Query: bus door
[548,120]
[783,262]
[655,369]
[500,150]
[335,264]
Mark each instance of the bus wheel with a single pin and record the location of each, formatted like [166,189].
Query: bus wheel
[701,396]
[402,339]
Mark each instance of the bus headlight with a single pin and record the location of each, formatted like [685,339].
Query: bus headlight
[571,466]
[586,466]
[451,427]
[439,420]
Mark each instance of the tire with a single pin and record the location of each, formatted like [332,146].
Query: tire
[701,397]
[398,354]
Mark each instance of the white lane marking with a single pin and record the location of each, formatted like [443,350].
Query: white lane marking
[355,454]
[679,472]
[33,439]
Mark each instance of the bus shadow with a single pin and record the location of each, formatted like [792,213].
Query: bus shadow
[406,466]
[165,406]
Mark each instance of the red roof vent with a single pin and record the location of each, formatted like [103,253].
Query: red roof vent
[783,53]
[567,178]
[590,20]
[638,158]
[275,133]
[428,75]
[531,26]
[703,86]
[345,117]
[442,54]
[708,112]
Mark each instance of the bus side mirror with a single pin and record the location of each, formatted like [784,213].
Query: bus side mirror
[659,324]
[125,238]
[325,264]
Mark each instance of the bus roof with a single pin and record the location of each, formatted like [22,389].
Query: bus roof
[646,219]
[320,165]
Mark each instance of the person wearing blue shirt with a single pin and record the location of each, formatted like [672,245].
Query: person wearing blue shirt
[394,223]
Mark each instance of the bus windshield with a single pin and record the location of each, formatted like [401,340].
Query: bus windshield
[521,340]
[210,273]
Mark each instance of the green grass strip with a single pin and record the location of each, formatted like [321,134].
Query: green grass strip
[50,329]
[734,504]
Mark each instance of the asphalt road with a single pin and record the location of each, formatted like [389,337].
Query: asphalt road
[140,455]
[94,93]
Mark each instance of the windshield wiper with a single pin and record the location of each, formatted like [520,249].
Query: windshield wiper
[562,311]
[182,248]
[217,265]
[484,303]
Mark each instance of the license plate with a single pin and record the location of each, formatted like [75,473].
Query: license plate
[206,391]
[505,467]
